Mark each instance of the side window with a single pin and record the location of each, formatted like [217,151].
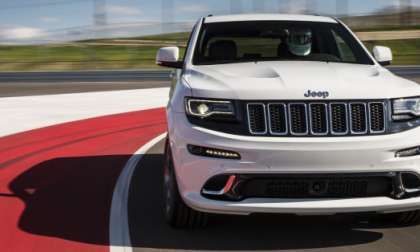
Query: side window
[346,54]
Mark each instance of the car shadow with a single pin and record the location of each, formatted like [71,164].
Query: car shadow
[257,232]
[69,198]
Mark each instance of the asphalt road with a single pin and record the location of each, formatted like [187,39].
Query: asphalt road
[128,75]
[226,233]
[42,83]
[85,76]
[254,233]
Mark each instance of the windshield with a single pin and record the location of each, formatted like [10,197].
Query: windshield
[232,42]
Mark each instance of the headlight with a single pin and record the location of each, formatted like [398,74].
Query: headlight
[205,108]
[406,109]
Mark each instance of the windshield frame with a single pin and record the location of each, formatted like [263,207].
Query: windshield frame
[357,47]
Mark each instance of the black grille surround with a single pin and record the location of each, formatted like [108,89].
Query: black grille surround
[395,185]
[308,186]
[276,115]
[317,118]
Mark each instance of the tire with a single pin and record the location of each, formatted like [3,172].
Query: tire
[177,213]
[406,218]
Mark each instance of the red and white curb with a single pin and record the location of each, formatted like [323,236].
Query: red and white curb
[64,183]
[119,232]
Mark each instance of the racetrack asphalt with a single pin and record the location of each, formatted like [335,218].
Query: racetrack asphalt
[57,182]
[56,185]
[342,233]
[44,83]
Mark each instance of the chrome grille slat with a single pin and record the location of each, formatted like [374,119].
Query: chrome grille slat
[377,115]
[257,121]
[277,119]
[339,121]
[358,118]
[298,119]
[317,118]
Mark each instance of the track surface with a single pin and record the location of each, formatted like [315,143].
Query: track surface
[85,76]
[56,183]
[253,233]
[127,75]
[44,83]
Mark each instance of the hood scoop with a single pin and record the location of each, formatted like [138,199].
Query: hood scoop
[258,70]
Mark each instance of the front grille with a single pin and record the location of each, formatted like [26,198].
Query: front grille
[376,120]
[316,187]
[298,119]
[358,118]
[395,185]
[317,118]
[278,118]
[256,118]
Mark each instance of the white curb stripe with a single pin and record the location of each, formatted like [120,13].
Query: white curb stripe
[119,232]
[32,112]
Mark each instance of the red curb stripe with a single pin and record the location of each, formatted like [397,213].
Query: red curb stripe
[56,183]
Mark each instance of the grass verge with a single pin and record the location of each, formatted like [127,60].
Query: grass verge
[123,54]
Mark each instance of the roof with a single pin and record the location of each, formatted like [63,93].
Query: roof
[268,17]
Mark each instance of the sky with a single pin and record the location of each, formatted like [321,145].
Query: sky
[28,20]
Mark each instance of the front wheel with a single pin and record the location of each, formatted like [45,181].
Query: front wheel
[177,213]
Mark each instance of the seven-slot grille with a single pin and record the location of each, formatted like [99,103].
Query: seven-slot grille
[316,118]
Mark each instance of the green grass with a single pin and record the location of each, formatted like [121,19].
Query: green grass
[85,55]
[49,58]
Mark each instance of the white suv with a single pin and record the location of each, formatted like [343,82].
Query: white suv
[288,114]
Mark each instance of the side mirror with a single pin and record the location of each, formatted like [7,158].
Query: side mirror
[169,57]
[383,55]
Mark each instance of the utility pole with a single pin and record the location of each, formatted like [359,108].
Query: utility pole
[167,19]
[99,15]
[99,23]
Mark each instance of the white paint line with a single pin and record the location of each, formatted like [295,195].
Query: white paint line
[31,112]
[119,229]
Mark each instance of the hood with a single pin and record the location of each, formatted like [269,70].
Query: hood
[291,80]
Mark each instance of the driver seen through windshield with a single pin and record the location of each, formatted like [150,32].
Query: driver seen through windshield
[277,40]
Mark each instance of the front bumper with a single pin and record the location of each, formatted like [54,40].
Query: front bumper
[285,155]
[302,206]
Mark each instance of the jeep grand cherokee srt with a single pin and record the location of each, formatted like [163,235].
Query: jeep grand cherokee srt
[288,114]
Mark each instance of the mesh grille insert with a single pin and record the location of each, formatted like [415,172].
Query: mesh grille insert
[278,119]
[256,116]
[358,117]
[377,117]
[298,119]
[317,118]
[319,124]
[339,119]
